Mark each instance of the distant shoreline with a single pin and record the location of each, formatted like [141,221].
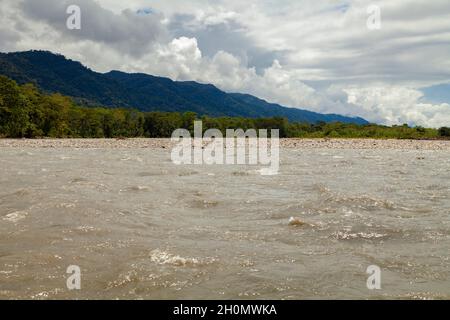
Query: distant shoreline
[288,143]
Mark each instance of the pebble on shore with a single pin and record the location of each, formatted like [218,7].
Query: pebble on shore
[284,143]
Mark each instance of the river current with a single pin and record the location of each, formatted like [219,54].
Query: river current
[140,227]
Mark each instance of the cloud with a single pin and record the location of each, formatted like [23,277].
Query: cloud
[180,58]
[397,105]
[129,32]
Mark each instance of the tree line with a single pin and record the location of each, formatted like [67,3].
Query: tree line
[26,112]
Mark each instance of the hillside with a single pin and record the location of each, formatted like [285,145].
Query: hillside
[54,73]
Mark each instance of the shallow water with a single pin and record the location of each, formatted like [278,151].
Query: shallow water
[140,227]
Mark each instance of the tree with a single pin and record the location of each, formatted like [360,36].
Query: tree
[444,132]
[14,119]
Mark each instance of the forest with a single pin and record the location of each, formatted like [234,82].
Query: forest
[26,112]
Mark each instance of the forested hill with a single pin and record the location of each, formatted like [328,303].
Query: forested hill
[27,112]
[54,73]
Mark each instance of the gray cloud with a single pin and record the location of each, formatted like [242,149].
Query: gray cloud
[8,38]
[128,31]
[224,36]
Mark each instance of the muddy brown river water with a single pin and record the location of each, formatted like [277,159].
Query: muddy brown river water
[140,227]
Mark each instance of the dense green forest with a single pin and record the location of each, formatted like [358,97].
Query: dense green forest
[27,112]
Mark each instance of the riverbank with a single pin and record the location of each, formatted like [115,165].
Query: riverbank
[388,144]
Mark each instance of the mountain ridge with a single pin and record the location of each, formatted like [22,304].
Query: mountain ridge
[54,73]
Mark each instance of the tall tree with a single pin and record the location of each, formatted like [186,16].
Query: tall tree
[14,119]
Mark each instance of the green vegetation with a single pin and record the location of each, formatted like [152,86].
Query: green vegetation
[27,112]
[444,132]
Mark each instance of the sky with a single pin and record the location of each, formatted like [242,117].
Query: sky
[387,61]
